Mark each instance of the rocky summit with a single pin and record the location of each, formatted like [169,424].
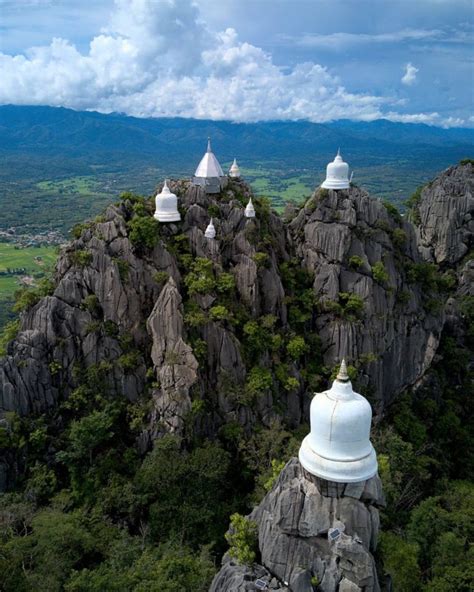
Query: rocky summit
[238,331]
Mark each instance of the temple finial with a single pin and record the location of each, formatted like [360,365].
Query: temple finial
[342,375]
[209,144]
[338,152]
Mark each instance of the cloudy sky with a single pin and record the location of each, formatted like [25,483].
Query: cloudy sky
[243,60]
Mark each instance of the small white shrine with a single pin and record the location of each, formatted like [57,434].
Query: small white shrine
[249,210]
[337,174]
[338,447]
[209,173]
[167,206]
[234,170]
[210,231]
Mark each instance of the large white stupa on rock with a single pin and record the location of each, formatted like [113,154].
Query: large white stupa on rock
[337,174]
[338,447]
[167,206]
[209,173]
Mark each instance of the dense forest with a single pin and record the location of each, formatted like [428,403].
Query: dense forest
[112,482]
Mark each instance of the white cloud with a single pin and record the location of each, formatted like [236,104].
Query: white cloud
[410,74]
[344,40]
[160,59]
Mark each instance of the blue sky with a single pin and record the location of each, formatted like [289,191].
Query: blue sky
[243,60]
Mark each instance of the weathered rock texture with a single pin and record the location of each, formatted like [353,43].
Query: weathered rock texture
[293,523]
[343,237]
[446,216]
[126,311]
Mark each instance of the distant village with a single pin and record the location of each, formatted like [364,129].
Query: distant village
[46,238]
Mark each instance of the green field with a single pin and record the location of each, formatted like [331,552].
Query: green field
[80,185]
[12,257]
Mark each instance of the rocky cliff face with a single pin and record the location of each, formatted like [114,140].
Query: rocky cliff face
[445,216]
[294,521]
[210,331]
[357,246]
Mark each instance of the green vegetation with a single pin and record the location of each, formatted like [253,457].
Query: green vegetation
[242,539]
[348,306]
[297,347]
[21,267]
[392,210]
[71,186]
[428,523]
[379,273]
[8,333]
[356,262]
[412,204]
[143,231]
[81,257]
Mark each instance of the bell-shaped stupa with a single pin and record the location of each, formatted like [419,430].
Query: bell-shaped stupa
[209,173]
[167,206]
[338,447]
[234,170]
[210,231]
[337,174]
[249,210]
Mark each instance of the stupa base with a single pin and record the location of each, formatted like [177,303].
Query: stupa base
[347,471]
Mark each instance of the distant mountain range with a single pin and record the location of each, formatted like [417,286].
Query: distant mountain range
[59,131]
[59,166]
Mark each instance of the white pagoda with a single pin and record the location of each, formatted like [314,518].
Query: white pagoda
[337,174]
[249,210]
[210,231]
[234,170]
[338,447]
[209,173]
[167,205]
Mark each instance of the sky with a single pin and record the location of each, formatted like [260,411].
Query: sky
[243,60]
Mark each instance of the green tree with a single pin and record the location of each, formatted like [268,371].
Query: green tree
[185,491]
[242,539]
[400,561]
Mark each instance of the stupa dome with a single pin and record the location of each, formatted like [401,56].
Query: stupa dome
[210,231]
[249,210]
[234,170]
[337,174]
[167,206]
[338,447]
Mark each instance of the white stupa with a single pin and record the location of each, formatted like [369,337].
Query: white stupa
[337,174]
[210,231]
[167,206]
[209,173]
[338,447]
[249,210]
[234,170]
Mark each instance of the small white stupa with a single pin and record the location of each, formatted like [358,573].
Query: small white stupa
[209,173]
[210,231]
[337,174]
[234,170]
[249,210]
[167,205]
[338,447]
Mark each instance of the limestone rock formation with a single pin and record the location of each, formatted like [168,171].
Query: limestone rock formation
[128,311]
[355,246]
[445,215]
[294,520]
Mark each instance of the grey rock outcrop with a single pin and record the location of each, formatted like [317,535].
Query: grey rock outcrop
[356,248]
[293,522]
[173,360]
[128,312]
[445,221]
